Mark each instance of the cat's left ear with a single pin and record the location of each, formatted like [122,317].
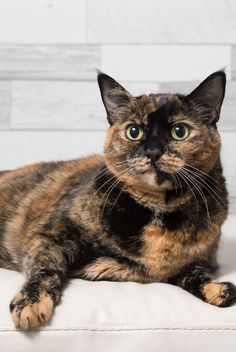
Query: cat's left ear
[210,94]
[114,96]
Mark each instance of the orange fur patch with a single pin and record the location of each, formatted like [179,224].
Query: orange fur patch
[33,315]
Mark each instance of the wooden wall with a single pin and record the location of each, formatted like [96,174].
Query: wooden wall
[50,106]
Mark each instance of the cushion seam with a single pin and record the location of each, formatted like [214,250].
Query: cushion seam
[128,329]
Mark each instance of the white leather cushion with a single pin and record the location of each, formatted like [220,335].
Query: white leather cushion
[120,317]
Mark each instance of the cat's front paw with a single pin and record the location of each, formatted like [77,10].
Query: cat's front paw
[221,294]
[28,313]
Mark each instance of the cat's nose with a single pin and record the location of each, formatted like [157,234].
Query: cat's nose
[153,154]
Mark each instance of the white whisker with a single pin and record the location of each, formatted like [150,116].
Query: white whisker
[204,184]
[193,182]
[95,193]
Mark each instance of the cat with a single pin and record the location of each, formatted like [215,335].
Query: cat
[149,210]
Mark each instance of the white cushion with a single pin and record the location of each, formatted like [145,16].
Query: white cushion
[120,317]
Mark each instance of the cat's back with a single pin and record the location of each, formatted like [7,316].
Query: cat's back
[35,173]
[43,180]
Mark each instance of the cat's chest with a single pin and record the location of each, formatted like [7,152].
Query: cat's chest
[161,242]
[124,221]
[166,252]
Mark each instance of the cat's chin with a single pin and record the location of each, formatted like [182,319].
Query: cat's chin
[152,179]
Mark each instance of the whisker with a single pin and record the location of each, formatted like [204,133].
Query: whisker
[184,179]
[174,181]
[94,194]
[111,189]
[116,200]
[97,176]
[192,181]
[203,178]
[204,173]
[204,184]
[124,162]
[180,184]
[101,173]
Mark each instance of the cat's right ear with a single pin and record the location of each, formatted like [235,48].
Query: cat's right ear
[114,96]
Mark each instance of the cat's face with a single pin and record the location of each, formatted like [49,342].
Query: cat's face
[162,140]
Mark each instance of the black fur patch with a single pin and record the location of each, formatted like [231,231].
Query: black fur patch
[192,277]
[124,219]
[174,221]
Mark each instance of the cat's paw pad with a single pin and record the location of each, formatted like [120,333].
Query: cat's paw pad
[222,294]
[27,314]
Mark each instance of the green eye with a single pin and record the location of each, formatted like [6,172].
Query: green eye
[179,132]
[134,132]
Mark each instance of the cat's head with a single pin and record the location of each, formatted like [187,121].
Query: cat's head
[154,139]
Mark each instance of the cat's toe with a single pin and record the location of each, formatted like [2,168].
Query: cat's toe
[228,294]
[222,294]
[28,315]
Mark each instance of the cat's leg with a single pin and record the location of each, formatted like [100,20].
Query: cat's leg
[197,279]
[45,270]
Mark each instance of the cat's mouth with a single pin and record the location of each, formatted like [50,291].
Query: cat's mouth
[158,174]
[156,178]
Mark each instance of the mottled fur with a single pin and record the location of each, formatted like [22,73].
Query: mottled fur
[129,215]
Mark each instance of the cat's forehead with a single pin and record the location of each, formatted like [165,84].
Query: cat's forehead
[160,107]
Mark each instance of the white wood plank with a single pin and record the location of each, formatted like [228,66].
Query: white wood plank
[162,21]
[62,105]
[139,88]
[233,60]
[4,105]
[228,113]
[71,61]
[24,147]
[229,165]
[43,21]
[57,105]
[232,205]
[164,63]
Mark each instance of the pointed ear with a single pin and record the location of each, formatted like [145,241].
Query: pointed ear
[114,96]
[210,94]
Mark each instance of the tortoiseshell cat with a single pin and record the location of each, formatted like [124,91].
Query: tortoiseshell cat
[149,210]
